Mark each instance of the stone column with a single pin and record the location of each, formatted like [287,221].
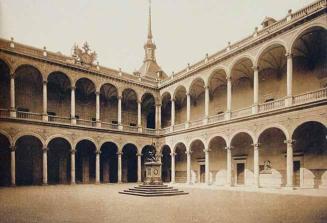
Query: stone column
[207,167]
[289,79]
[45,101]
[45,166]
[158,116]
[72,104]
[97,166]
[13,165]
[289,162]
[119,111]
[139,167]
[172,112]
[188,109]
[72,166]
[229,166]
[97,110]
[12,97]
[255,89]
[172,180]
[229,97]
[139,115]
[188,167]
[119,166]
[206,109]
[256,165]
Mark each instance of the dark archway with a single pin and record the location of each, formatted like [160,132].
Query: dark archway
[129,107]
[149,111]
[5,85]
[85,101]
[197,162]
[166,164]
[29,161]
[59,162]
[145,151]
[109,104]
[109,163]
[129,161]
[180,163]
[85,162]
[166,110]
[5,161]
[218,160]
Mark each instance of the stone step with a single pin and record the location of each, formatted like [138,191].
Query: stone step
[144,185]
[153,195]
[153,190]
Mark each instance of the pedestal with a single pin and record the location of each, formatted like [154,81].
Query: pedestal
[153,173]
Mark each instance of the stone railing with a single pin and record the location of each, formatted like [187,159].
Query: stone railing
[272,105]
[4,113]
[179,127]
[310,96]
[241,112]
[216,118]
[29,115]
[106,125]
[149,131]
[165,130]
[196,123]
[84,122]
[66,120]
[129,128]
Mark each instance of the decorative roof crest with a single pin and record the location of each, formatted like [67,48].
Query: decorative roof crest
[84,55]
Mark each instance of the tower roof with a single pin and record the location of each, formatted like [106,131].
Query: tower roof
[150,68]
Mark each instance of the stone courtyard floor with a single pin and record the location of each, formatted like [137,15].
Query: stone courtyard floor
[102,203]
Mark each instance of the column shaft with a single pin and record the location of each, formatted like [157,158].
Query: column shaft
[289,74]
[45,98]
[229,166]
[256,165]
[255,89]
[173,167]
[207,167]
[139,168]
[13,167]
[188,173]
[207,99]
[72,167]
[12,92]
[97,167]
[45,166]
[172,113]
[229,94]
[72,106]
[139,114]
[188,108]
[97,112]
[289,160]
[119,168]
[119,110]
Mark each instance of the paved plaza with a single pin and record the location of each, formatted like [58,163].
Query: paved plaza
[103,203]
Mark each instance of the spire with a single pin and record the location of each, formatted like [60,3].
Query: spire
[149,22]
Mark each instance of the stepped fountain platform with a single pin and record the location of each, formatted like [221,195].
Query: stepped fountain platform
[153,191]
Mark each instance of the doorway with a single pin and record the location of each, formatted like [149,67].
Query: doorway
[202,173]
[296,173]
[240,168]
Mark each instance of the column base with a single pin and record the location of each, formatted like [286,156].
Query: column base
[44,184]
[98,124]
[139,182]
[120,127]
[255,109]
[73,121]
[288,101]
[13,113]
[228,115]
[12,185]
[205,121]
[45,117]
[97,183]
[187,124]
[139,129]
[289,187]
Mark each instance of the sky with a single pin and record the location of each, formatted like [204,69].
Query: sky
[184,30]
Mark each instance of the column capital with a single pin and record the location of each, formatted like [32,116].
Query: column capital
[119,97]
[188,94]
[255,68]
[12,148]
[188,152]
[206,87]
[139,101]
[159,155]
[73,151]
[73,88]
[207,150]
[45,149]
[228,147]
[228,78]
[256,145]
[98,152]
[119,153]
[289,55]
[173,154]
[45,81]
[139,154]
[290,142]
[158,104]
[173,100]
[97,93]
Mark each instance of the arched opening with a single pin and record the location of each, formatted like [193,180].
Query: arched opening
[218,161]
[180,105]
[145,154]
[59,99]
[310,154]
[242,159]
[310,60]
[5,161]
[242,84]
[59,162]
[197,94]
[109,104]
[197,162]
[272,161]
[129,107]
[166,164]
[109,163]
[5,85]
[28,161]
[129,163]
[180,163]
[85,162]
[272,73]
[166,110]
[85,101]
[148,111]
[28,90]
[218,92]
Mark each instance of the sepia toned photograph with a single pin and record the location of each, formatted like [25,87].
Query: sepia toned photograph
[163,111]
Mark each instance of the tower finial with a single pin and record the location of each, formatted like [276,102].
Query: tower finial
[149,22]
